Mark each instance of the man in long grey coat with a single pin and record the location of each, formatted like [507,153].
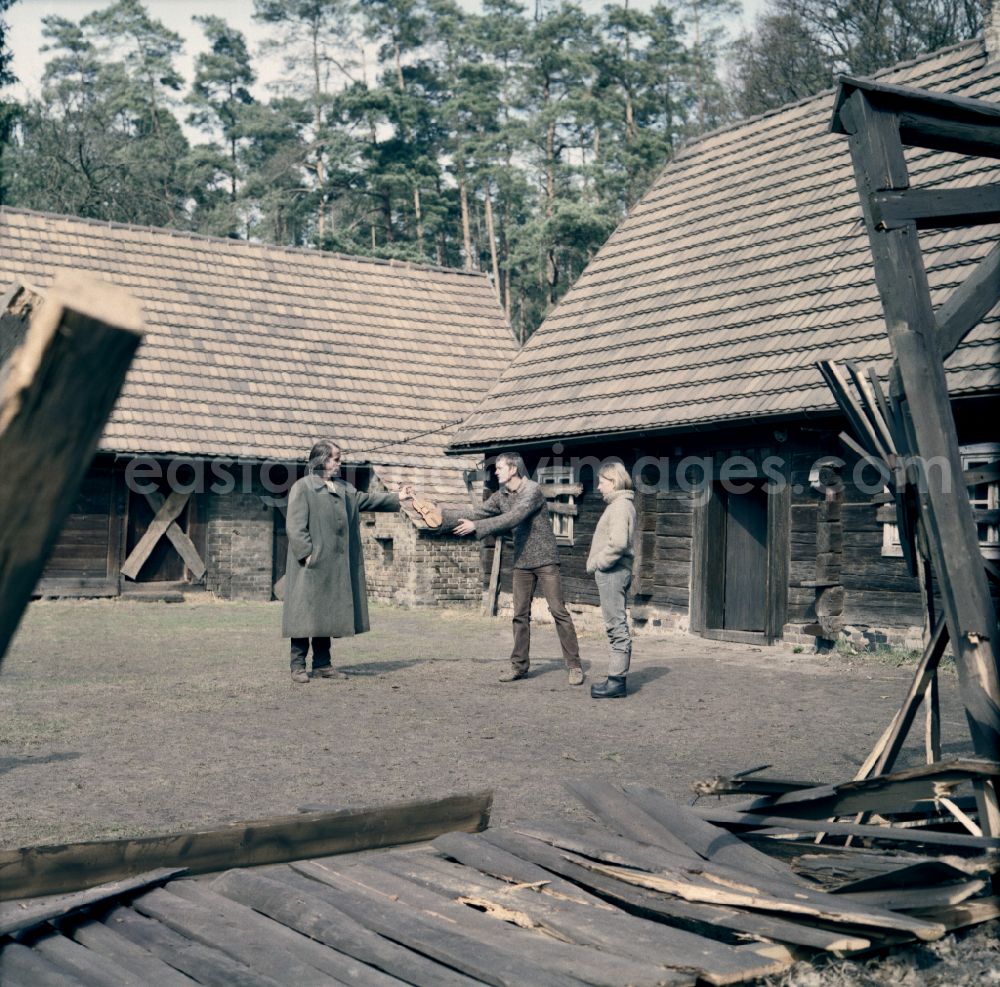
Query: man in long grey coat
[325,591]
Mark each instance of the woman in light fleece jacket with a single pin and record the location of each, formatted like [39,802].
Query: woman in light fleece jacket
[610,561]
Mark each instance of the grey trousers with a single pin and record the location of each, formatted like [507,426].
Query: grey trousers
[612,586]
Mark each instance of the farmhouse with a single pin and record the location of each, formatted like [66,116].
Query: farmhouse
[252,353]
[688,348]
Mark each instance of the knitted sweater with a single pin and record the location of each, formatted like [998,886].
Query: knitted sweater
[525,512]
[614,534]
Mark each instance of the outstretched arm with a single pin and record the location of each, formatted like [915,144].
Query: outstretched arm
[523,508]
[490,508]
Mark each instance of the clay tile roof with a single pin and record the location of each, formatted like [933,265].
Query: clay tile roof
[744,264]
[254,351]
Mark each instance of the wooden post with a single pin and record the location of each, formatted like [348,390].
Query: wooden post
[873,126]
[493,591]
[58,391]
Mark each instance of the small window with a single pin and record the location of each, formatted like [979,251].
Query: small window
[560,489]
[983,496]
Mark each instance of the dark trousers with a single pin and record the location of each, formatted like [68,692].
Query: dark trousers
[321,652]
[546,578]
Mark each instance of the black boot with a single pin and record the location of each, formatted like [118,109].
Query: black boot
[611,688]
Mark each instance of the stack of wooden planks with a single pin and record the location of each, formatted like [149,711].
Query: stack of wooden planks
[647,891]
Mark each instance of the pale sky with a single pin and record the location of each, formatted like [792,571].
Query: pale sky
[24,37]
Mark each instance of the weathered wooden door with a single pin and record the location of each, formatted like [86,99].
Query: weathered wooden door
[745,593]
[736,561]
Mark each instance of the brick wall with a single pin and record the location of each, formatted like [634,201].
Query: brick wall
[239,537]
[411,568]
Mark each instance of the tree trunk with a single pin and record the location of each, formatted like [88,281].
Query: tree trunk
[419,219]
[493,243]
[463,199]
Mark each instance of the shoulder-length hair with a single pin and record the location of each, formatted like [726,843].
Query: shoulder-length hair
[618,476]
[320,453]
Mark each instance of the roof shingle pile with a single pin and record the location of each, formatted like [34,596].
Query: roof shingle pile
[254,351]
[744,264]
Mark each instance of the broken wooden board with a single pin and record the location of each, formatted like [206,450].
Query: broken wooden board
[880,793]
[474,944]
[592,923]
[703,918]
[20,915]
[57,869]
[928,840]
[59,387]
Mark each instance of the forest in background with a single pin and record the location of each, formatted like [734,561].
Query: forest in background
[511,140]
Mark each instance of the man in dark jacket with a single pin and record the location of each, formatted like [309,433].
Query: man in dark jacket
[520,506]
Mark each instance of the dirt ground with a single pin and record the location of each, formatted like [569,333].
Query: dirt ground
[127,718]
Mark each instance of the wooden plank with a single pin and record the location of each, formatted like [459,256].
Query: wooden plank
[23,967]
[42,870]
[165,516]
[708,841]
[62,383]
[968,304]
[560,490]
[597,925]
[264,949]
[818,905]
[474,851]
[924,675]
[142,965]
[526,851]
[929,841]
[317,918]
[968,913]
[248,922]
[880,793]
[624,816]
[476,945]
[204,964]
[493,590]
[15,916]
[852,409]
[710,883]
[80,963]
[908,899]
[179,539]
[937,208]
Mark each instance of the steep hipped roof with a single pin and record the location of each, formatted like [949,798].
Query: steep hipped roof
[745,263]
[254,351]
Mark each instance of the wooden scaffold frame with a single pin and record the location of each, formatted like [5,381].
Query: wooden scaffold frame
[915,423]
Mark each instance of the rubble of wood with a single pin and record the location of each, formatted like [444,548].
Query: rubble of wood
[650,891]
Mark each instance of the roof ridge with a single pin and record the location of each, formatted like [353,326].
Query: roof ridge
[825,93]
[234,242]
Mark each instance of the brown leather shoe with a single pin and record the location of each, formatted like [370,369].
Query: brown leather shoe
[575,675]
[300,676]
[327,672]
[513,674]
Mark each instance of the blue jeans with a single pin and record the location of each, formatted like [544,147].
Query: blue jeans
[612,586]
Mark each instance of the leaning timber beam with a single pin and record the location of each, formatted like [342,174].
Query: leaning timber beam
[44,870]
[59,387]
[873,119]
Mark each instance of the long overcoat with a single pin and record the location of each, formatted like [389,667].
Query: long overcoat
[328,597]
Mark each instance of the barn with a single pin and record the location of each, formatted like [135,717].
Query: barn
[689,348]
[251,353]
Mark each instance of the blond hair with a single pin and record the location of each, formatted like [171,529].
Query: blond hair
[617,474]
